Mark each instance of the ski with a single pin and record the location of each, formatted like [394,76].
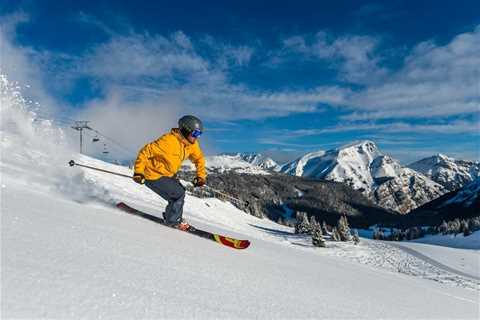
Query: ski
[226,241]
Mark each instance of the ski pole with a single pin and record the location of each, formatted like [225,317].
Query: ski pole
[73,163]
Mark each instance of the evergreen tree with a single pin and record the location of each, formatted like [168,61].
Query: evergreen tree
[302,226]
[414,233]
[454,226]
[397,235]
[443,228]
[335,234]
[465,228]
[356,237]
[431,230]
[474,224]
[325,228]
[381,234]
[317,235]
[344,229]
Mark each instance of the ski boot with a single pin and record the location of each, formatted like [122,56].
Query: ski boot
[182,226]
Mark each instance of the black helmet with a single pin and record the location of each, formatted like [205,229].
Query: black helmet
[188,124]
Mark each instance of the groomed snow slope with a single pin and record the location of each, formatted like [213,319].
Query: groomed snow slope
[68,253]
[61,258]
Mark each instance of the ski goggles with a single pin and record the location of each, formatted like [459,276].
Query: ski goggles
[196,133]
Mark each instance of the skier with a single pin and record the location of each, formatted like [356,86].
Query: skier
[158,162]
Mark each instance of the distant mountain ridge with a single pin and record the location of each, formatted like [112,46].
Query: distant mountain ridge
[236,162]
[257,159]
[363,167]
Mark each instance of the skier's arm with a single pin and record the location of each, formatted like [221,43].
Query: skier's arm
[199,160]
[143,155]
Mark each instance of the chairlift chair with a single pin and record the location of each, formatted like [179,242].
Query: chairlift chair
[105,151]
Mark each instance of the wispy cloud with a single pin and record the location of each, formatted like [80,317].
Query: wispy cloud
[227,55]
[171,68]
[434,81]
[355,56]
[86,18]
[136,56]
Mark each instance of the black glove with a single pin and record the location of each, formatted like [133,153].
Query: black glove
[199,181]
[138,178]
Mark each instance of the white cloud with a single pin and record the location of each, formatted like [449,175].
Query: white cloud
[434,81]
[354,56]
[227,56]
[85,18]
[240,55]
[162,69]
[130,120]
[127,58]
[149,81]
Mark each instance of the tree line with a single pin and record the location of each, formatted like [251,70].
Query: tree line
[455,227]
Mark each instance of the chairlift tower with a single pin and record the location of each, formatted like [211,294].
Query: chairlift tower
[79,126]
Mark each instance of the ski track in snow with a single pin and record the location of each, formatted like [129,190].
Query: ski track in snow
[388,256]
[435,263]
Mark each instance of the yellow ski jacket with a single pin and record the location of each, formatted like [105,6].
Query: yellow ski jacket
[164,156]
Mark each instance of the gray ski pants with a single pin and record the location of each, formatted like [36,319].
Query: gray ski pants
[171,190]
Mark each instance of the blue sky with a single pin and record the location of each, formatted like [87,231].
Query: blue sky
[284,79]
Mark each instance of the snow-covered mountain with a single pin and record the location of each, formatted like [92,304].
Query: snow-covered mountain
[406,191]
[303,165]
[257,159]
[349,164]
[228,163]
[363,167]
[467,196]
[449,172]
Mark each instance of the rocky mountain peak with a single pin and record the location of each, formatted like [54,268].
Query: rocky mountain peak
[258,159]
[362,166]
[449,172]
[384,167]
